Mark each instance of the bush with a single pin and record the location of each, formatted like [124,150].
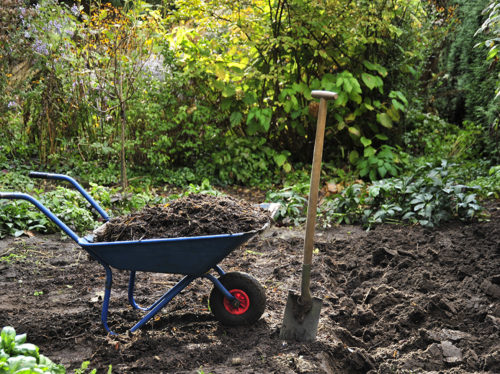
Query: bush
[431,196]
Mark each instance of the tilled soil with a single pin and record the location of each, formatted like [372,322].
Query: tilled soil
[395,299]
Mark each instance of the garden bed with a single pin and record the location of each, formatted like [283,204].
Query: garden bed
[396,298]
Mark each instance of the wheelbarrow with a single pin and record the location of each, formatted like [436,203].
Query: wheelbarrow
[236,298]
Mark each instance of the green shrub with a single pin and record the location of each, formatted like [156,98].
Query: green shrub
[488,186]
[429,197]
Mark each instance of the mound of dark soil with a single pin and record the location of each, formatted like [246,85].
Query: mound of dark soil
[192,215]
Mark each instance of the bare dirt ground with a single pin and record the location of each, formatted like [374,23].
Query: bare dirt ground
[395,299]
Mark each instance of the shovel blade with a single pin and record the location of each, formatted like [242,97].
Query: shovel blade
[300,322]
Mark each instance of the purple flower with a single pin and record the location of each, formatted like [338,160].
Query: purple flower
[11,104]
[40,48]
[56,25]
[74,10]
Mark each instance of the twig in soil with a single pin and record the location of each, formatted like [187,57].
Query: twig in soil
[9,250]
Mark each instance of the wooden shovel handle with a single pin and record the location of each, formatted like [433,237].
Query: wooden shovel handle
[313,190]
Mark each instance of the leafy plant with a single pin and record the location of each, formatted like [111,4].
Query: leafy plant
[429,197]
[292,204]
[18,356]
[374,163]
[488,186]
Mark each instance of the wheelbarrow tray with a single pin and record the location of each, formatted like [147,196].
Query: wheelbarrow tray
[186,255]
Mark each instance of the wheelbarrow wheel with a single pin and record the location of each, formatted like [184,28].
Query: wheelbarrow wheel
[250,295]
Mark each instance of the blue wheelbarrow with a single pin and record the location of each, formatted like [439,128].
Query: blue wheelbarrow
[236,298]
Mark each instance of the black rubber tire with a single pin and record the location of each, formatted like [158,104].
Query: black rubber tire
[254,291]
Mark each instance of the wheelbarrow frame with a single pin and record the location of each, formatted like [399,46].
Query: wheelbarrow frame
[192,257]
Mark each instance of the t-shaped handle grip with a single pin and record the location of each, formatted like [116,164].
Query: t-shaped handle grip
[327,95]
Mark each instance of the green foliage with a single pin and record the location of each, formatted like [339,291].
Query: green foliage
[85,366]
[12,257]
[18,216]
[488,186]
[292,204]
[17,356]
[204,188]
[438,139]
[222,90]
[374,163]
[429,197]
[491,27]
[454,89]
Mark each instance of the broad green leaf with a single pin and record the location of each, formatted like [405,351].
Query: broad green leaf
[365,141]
[235,118]
[398,95]
[373,175]
[342,99]
[280,159]
[8,336]
[249,98]
[356,87]
[300,87]
[369,152]
[371,81]
[26,349]
[347,85]
[353,157]
[418,207]
[368,106]
[356,97]
[384,120]
[382,137]
[328,80]
[21,362]
[408,215]
[397,105]
[350,117]
[375,67]
[20,339]
[228,91]
[354,131]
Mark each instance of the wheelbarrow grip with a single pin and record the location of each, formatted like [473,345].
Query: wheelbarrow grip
[37,174]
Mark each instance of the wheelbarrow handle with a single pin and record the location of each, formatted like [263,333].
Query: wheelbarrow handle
[37,174]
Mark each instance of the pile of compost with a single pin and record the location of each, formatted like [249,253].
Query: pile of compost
[192,215]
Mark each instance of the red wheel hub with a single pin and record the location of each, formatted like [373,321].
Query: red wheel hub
[242,299]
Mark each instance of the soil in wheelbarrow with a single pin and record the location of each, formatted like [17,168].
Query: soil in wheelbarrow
[397,299]
[192,215]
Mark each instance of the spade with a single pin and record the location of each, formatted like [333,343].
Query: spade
[301,318]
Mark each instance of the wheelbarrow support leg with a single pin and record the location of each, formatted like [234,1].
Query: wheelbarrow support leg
[107,294]
[131,286]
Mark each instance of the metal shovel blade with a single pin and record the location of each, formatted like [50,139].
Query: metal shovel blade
[300,321]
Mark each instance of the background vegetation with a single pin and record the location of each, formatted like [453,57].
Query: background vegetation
[185,92]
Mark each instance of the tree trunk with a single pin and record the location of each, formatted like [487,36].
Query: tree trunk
[123,164]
